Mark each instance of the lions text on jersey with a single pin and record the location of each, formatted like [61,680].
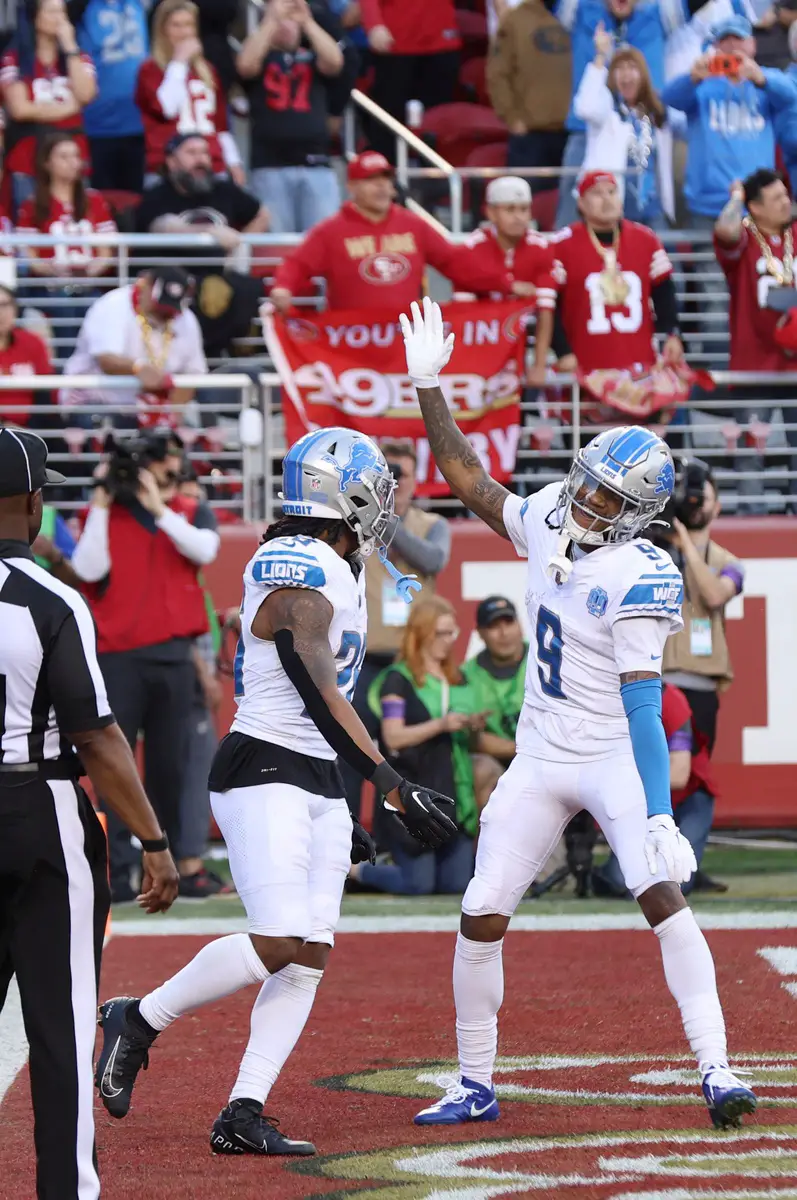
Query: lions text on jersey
[573,709]
[269,707]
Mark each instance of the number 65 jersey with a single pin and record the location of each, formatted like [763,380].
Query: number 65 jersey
[582,638]
[269,707]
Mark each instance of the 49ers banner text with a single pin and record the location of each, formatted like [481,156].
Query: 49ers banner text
[348,368]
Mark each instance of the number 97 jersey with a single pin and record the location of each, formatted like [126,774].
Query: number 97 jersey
[269,707]
[585,633]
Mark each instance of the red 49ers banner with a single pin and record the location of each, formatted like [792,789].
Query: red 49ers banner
[348,368]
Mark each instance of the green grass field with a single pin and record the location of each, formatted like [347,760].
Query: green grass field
[757,879]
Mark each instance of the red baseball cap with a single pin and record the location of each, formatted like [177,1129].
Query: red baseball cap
[368,165]
[592,177]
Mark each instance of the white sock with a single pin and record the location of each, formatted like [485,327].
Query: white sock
[278,1018]
[689,971]
[221,968]
[478,995]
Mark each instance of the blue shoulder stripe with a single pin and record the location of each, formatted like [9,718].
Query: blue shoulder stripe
[656,595]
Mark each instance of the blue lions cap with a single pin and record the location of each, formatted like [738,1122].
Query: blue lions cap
[733,26]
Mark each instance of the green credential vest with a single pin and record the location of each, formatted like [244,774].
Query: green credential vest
[460,699]
[502,698]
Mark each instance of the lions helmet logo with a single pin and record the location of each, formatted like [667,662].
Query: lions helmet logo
[665,480]
[361,457]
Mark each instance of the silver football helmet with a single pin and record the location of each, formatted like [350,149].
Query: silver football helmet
[341,474]
[632,464]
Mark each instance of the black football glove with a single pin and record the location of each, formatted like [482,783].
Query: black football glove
[362,844]
[428,815]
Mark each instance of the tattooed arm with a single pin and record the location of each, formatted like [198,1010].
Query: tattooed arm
[728,226]
[459,462]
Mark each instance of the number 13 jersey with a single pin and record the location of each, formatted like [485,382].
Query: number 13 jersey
[580,642]
[269,707]
[609,336]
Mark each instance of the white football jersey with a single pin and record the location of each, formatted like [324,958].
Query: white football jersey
[580,639]
[269,707]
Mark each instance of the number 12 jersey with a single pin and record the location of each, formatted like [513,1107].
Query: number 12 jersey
[582,633]
[269,707]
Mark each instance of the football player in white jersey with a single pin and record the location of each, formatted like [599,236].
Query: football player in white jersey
[275,786]
[601,603]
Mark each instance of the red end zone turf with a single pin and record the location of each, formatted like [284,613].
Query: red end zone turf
[599,1098]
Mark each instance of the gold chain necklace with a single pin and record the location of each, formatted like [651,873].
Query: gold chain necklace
[157,357]
[781,272]
[614,287]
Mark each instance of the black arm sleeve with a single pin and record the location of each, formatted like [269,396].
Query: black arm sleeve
[665,305]
[316,705]
[559,343]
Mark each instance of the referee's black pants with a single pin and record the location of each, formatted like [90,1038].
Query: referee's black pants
[54,903]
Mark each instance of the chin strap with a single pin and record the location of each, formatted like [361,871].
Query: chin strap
[560,566]
[405,584]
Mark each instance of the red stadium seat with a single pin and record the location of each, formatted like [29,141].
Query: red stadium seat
[455,130]
[473,30]
[543,208]
[473,80]
[120,201]
[493,154]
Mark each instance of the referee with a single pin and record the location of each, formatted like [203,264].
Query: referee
[53,873]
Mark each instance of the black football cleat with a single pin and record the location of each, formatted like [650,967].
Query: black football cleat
[125,1050]
[241,1128]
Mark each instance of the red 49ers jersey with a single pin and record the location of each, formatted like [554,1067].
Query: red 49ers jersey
[47,85]
[61,220]
[753,346]
[204,113]
[604,336]
[530,261]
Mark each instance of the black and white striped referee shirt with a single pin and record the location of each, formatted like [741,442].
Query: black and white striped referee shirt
[50,680]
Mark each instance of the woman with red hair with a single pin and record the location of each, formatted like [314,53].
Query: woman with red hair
[627,132]
[425,708]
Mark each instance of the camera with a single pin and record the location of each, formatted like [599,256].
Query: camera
[686,502]
[129,458]
[727,65]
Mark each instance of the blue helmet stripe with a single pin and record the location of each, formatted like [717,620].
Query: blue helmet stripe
[630,448]
[292,464]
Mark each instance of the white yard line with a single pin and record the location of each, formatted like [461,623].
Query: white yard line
[13,1043]
[449,923]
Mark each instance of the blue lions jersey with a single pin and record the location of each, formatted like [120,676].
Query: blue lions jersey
[269,707]
[114,33]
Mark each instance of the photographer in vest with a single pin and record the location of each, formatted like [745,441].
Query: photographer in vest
[139,556]
[697,659]
[421,546]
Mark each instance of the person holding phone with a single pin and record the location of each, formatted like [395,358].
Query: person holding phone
[427,723]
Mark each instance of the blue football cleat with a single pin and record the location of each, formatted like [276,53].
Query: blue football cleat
[464,1101]
[728,1099]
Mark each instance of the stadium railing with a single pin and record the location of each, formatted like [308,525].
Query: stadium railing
[711,426]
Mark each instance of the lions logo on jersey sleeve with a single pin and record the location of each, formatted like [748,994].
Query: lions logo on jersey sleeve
[649,585]
[289,562]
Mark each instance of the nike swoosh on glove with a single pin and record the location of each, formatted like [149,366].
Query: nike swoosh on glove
[362,844]
[425,344]
[664,839]
[428,815]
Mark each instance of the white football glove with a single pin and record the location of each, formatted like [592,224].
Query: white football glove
[426,346]
[664,838]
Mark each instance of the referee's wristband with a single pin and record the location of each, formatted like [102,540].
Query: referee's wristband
[154,845]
